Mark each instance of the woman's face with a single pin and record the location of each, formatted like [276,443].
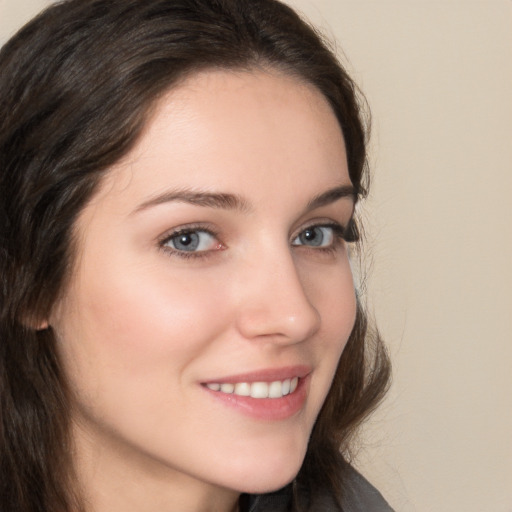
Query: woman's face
[210,266]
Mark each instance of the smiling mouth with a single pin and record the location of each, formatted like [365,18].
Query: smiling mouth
[274,389]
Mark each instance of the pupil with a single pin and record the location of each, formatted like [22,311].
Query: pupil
[185,240]
[312,237]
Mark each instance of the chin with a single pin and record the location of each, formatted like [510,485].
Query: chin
[265,484]
[262,475]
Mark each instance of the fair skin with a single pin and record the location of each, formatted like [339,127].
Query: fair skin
[208,258]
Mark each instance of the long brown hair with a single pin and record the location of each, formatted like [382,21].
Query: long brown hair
[76,88]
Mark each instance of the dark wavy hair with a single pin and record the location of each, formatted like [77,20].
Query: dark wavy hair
[77,85]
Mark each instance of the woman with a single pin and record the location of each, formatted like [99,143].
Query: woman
[179,327]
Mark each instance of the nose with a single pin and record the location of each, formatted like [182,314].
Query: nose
[273,302]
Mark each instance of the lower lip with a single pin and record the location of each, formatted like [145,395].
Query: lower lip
[273,409]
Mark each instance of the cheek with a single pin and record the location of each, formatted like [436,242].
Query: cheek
[124,329]
[339,306]
[331,291]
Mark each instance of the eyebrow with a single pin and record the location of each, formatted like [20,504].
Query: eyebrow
[221,201]
[332,195]
[225,201]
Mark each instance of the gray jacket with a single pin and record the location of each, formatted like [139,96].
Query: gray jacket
[360,496]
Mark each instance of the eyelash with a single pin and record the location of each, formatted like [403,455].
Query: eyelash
[193,228]
[348,234]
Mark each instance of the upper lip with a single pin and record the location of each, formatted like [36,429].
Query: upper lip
[264,375]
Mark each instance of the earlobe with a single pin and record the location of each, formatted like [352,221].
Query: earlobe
[42,326]
[36,324]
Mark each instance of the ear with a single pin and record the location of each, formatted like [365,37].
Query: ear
[40,320]
[42,326]
[36,324]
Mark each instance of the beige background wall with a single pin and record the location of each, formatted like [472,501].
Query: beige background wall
[438,75]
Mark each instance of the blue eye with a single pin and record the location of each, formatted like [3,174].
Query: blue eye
[315,236]
[191,241]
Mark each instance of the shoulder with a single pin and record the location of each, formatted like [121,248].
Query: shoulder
[358,496]
[361,496]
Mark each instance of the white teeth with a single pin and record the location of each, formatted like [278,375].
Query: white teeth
[275,389]
[286,386]
[243,389]
[227,388]
[259,390]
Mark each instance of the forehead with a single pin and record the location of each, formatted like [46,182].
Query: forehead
[245,132]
